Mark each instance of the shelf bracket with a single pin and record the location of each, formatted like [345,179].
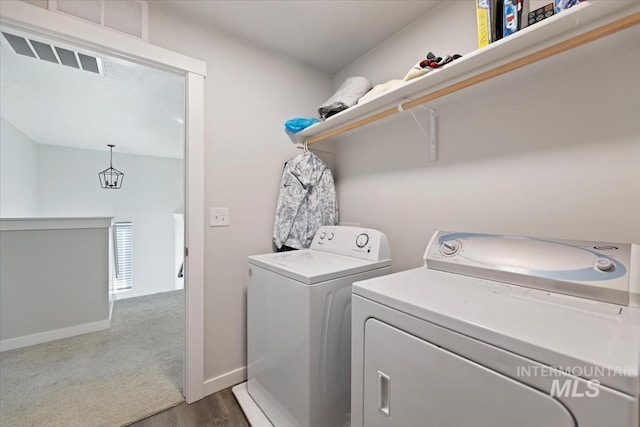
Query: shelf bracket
[431,136]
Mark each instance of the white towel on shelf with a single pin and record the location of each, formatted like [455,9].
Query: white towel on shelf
[380,89]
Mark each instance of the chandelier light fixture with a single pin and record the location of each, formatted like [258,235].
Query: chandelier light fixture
[111,178]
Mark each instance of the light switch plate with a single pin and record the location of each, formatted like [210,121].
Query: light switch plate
[219,217]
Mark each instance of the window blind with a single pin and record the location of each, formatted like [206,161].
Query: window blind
[123,249]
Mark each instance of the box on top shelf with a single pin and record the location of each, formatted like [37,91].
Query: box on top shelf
[514,12]
[539,14]
[500,18]
[565,4]
[485,10]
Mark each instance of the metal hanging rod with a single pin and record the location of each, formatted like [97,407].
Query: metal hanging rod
[588,37]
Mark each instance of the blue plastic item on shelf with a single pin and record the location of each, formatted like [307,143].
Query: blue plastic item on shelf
[299,123]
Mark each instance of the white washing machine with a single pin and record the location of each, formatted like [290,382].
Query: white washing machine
[299,327]
[499,331]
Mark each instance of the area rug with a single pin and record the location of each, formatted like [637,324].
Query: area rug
[107,378]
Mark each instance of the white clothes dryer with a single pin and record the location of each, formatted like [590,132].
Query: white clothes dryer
[299,327]
[500,331]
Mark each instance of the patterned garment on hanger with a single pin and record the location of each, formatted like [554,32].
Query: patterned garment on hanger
[306,202]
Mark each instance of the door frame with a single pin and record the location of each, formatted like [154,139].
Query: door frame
[15,14]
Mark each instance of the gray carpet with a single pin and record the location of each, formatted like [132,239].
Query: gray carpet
[107,378]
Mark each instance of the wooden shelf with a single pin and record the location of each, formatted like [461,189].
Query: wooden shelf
[582,24]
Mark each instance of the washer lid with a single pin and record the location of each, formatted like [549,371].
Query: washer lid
[596,339]
[310,266]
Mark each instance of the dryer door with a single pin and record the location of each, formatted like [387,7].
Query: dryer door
[410,382]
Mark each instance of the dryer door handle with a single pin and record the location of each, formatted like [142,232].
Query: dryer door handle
[384,394]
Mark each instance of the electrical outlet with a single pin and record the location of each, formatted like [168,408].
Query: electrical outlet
[219,217]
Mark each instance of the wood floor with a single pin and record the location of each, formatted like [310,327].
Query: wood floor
[219,409]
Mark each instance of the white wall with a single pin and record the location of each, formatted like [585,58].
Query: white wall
[448,32]
[151,193]
[554,155]
[18,173]
[249,94]
[446,29]
[66,294]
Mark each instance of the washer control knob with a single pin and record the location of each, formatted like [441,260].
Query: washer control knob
[362,240]
[604,264]
[331,235]
[323,235]
[450,247]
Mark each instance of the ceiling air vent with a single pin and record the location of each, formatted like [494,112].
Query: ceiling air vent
[45,51]
[127,16]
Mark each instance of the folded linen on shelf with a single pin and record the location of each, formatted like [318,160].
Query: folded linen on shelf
[346,96]
[379,90]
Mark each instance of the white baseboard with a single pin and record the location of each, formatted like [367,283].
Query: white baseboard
[56,334]
[251,410]
[223,381]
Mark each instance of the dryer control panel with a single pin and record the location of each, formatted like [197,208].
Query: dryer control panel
[357,242]
[596,270]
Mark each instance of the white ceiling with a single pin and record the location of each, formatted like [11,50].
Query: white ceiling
[138,109]
[327,34]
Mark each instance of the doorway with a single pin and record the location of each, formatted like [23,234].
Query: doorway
[18,16]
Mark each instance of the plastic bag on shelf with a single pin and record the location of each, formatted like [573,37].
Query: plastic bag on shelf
[299,123]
